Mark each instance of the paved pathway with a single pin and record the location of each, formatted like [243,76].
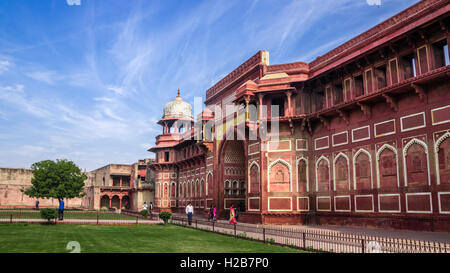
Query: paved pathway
[442,237]
[84,221]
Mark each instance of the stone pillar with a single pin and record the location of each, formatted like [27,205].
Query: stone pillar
[260,99]
[288,94]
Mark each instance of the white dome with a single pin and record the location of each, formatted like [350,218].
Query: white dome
[177,109]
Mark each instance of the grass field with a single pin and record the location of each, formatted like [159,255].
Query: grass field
[32,214]
[23,238]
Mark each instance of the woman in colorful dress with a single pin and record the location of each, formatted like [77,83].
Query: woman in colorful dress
[232,218]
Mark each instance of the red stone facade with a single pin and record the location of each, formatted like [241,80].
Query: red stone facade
[364,134]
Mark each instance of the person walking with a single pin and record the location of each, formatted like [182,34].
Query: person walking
[144,206]
[214,213]
[236,212]
[37,204]
[232,215]
[61,210]
[211,214]
[151,207]
[189,212]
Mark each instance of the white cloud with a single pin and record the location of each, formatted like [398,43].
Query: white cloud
[4,66]
[374,2]
[49,77]
[117,90]
[73,2]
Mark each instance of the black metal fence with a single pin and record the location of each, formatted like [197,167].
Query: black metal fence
[317,240]
[75,217]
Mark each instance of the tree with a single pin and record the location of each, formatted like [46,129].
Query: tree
[60,179]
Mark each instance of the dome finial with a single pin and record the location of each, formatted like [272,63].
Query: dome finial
[178,95]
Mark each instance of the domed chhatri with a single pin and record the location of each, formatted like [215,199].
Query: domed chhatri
[177,109]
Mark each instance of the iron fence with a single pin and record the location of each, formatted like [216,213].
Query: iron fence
[75,217]
[317,240]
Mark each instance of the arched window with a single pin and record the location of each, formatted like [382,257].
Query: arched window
[279,176]
[416,163]
[254,178]
[341,176]
[323,174]
[302,175]
[387,167]
[362,170]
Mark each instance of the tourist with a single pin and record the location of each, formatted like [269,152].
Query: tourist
[151,207]
[61,210]
[232,215]
[236,212]
[189,212]
[37,204]
[144,206]
[214,213]
[211,213]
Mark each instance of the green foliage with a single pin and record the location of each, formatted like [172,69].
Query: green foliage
[48,214]
[165,216]
[60,179]
[144,212]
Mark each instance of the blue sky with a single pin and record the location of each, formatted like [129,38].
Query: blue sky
[88,82]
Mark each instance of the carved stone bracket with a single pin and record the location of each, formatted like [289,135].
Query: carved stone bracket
[391,101]
[291,126]
[420,91]
[309,126]
[344,116]
[325,122]
[303,125]
[365,109]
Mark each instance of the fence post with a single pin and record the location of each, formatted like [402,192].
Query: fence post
[196,224]
[363,245]
[304,240]
[213,226]
[137,220]
[10,219]
[97,219]
[234,230]
[264,234]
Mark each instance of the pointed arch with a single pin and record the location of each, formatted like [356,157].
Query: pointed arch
[256,165]
[202,185]
[322,157]
[355,158]
[437,146]
[269,168]
[303,159]
[341,154]
[405,153]
[394,150]
[209,181]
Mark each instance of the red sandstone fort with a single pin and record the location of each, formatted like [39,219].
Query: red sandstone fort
[364,135]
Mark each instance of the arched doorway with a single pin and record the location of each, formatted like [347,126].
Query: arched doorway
[115,202]
[126,202]
[104,202]
[233,180]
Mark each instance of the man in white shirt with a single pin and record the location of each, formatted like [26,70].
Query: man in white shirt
[189,212]
[144,207]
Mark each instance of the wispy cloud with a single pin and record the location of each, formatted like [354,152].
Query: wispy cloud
[4,66]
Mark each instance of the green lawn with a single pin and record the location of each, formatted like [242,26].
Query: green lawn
[32,214]
[23,238]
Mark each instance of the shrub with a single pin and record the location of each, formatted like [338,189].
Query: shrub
[165,216]
[144,212]
[48,214]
